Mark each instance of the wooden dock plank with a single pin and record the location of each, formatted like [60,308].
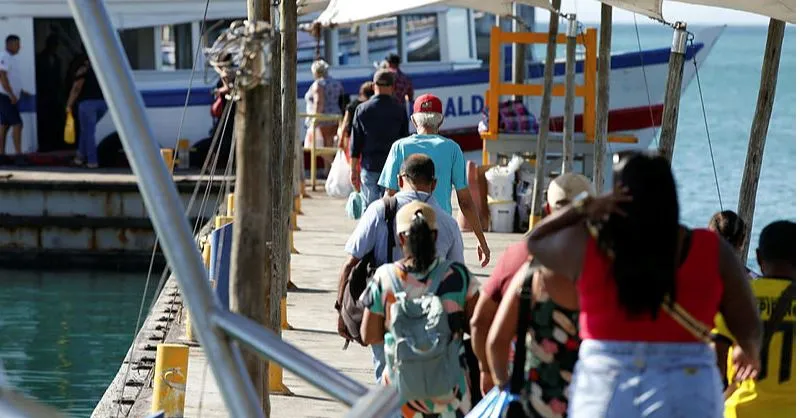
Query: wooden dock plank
[324,231]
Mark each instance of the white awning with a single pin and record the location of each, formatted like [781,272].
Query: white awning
[778,9]
[348,12]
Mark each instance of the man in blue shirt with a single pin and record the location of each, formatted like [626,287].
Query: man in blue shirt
[377,123]
[451,168]
[417,181]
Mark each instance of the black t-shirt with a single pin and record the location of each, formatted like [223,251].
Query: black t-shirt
[349,112]
[91,88]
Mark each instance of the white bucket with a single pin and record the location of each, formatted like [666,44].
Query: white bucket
[500,184]
[502,216]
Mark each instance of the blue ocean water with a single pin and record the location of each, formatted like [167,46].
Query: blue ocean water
[730,79]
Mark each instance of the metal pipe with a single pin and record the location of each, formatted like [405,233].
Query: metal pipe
[161,199]
[264,342]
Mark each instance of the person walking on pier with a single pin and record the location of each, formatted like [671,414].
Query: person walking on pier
[377,124]
[731,228]
[10,93]
[451,168]
[417,181]
[649,289]
[444,293]
[772,393]
[366,91]
[560,193]
[403,87]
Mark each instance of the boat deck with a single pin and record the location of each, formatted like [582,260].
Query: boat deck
[324,230]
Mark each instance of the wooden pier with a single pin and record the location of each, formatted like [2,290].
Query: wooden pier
[324,231]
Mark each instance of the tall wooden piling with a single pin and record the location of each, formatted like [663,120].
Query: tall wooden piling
[537,200]
[758,130]
[249,283]
[569,95]
[289,137]
[672,93]
[603,97]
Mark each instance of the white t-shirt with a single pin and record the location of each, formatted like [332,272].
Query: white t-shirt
[9,64]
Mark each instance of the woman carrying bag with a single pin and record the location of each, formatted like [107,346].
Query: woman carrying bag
[545,350]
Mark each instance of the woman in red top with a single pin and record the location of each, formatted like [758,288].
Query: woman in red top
[628,254]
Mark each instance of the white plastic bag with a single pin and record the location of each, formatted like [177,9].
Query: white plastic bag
[338,182]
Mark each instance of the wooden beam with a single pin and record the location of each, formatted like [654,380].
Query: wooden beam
[758,130]
[537,200]
[569,97]
[672,93]
[518,66]
[248,285]
[603,93]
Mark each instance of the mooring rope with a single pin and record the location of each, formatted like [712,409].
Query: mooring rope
[705,121]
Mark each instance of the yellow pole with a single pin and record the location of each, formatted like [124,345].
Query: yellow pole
[168,154]
[298,203]
[230,204]
[291,242]
[169,379]
[221,221]
[276,380]
[284,316]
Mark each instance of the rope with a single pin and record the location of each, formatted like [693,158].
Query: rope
[705,121]
[646,84]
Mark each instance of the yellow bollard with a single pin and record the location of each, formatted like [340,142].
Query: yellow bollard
[188,327]
[230,204]
[221,221]
[293,225]
[532,221]
[276,385]
[291,242]
[285,316]
[168,154]
[169,379]
[297,205]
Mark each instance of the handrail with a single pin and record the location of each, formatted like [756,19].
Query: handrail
[499,88]
[164,207]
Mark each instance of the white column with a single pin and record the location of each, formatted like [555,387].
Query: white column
[363,46]
[444,38]
[402,39]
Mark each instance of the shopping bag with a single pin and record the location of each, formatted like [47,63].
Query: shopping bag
[338,182]
[69,129]
[356,205]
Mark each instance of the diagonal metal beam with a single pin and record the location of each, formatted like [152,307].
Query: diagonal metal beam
[162,202]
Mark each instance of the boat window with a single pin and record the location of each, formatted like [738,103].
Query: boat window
[139,45]
[422,34]
[176,47]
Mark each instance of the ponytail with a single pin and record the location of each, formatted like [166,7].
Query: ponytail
[421,243]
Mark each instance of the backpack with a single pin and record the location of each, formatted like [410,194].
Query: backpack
[350,308]
[421,354]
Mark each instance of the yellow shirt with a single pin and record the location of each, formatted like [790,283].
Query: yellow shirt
[773,394]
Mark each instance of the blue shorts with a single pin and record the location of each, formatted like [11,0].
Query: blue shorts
[9,113]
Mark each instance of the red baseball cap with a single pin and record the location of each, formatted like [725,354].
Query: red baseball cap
[427,103]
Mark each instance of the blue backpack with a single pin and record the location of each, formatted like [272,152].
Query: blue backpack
[422,356]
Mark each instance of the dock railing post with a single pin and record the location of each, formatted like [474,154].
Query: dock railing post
[569,95]
[758,130]
[537,200]
[603,97]
[161,199]
[518,66]
[672,92]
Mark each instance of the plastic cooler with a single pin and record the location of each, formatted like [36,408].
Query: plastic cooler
[502,215]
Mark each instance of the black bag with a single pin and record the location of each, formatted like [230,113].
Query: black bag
[517,408]
[351,311]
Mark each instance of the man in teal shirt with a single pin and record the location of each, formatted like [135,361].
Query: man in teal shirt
[451,169]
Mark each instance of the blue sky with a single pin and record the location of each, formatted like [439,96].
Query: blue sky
[589,11]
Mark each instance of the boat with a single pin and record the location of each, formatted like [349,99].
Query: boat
[161,39]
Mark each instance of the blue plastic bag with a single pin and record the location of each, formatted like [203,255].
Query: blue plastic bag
[356,205]
[493,404]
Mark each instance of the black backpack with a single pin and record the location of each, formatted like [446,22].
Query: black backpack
[351,310]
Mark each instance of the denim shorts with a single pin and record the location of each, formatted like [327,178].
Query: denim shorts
[653,380]
[9,113]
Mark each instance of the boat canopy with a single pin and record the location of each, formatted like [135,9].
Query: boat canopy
[349,12]
[778,9]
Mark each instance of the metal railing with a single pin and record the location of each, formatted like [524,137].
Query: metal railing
[219,332]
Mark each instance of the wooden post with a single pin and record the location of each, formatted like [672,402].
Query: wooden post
[248,285]
[289,136]
[672,93]
[569,95]
[537,200]
[603,92]
[758,130]
[517,52]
